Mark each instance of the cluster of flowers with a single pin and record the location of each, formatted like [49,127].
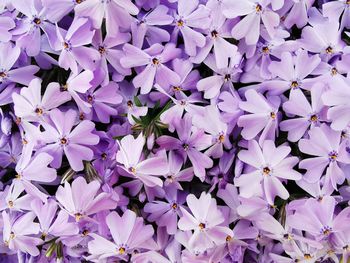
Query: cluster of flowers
[170,131]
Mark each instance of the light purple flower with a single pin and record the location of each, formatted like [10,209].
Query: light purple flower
[254,12]
[308,116]
[190,17]
[269,165]
[34,169]
[132,236]
[166,213]
[190,144]
[154,58]
[6,24]
[60,136]
[205,219]
[337,97]
[22,75]
[134,164]
[262,118]
[292,72]
[116,12]
[50,225]
[29,105]
[81,205]
[18,231]
[318,218]
[329,151]
[72,43]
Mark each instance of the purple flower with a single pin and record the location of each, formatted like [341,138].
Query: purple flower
[308,116]
[337,97]
[223,79]
[103,101]
[18,231]
[175,175]
[190,144]
[263,116]
[135,166]
[12,198]
[74,142]
[330,153]
[147,27]
[132,236]
[323,38]
[50,225]
[34,169]
[32,24]
[154,58]
[109,53]
[116,12]
[292,72]
[22,75]
[318,218]
[6,24]
[269,165]
[205,219]
[72,43]
[79,83]
[166,213]
[254,12]
[82,205]
[211,122]
[31,106]
[191,16]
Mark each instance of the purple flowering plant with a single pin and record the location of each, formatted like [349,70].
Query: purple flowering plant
[170,131]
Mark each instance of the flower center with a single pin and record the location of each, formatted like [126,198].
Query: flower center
[132,170]
[85,232]
[174,206]
[180,23]
[307,256]
[265,50]
[227,77]
[185,146]
[104,156]
[78,216]
[130,104]
[121,250]
[201,226]
[228,238]
[39,111]
[37,21]
[79,1]
[266,170]
[101,49]
[3,75]
[329,50]
[66,45]
[221,138]
[177,88]
[90,99]
[294,84]
[314,118]
[155,61]
[63,140]
[334,71]
[273,115]
[10,204]
[326,230]
[333,155]
[258,8]
[214,33]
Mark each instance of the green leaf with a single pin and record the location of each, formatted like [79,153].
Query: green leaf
[137,101]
